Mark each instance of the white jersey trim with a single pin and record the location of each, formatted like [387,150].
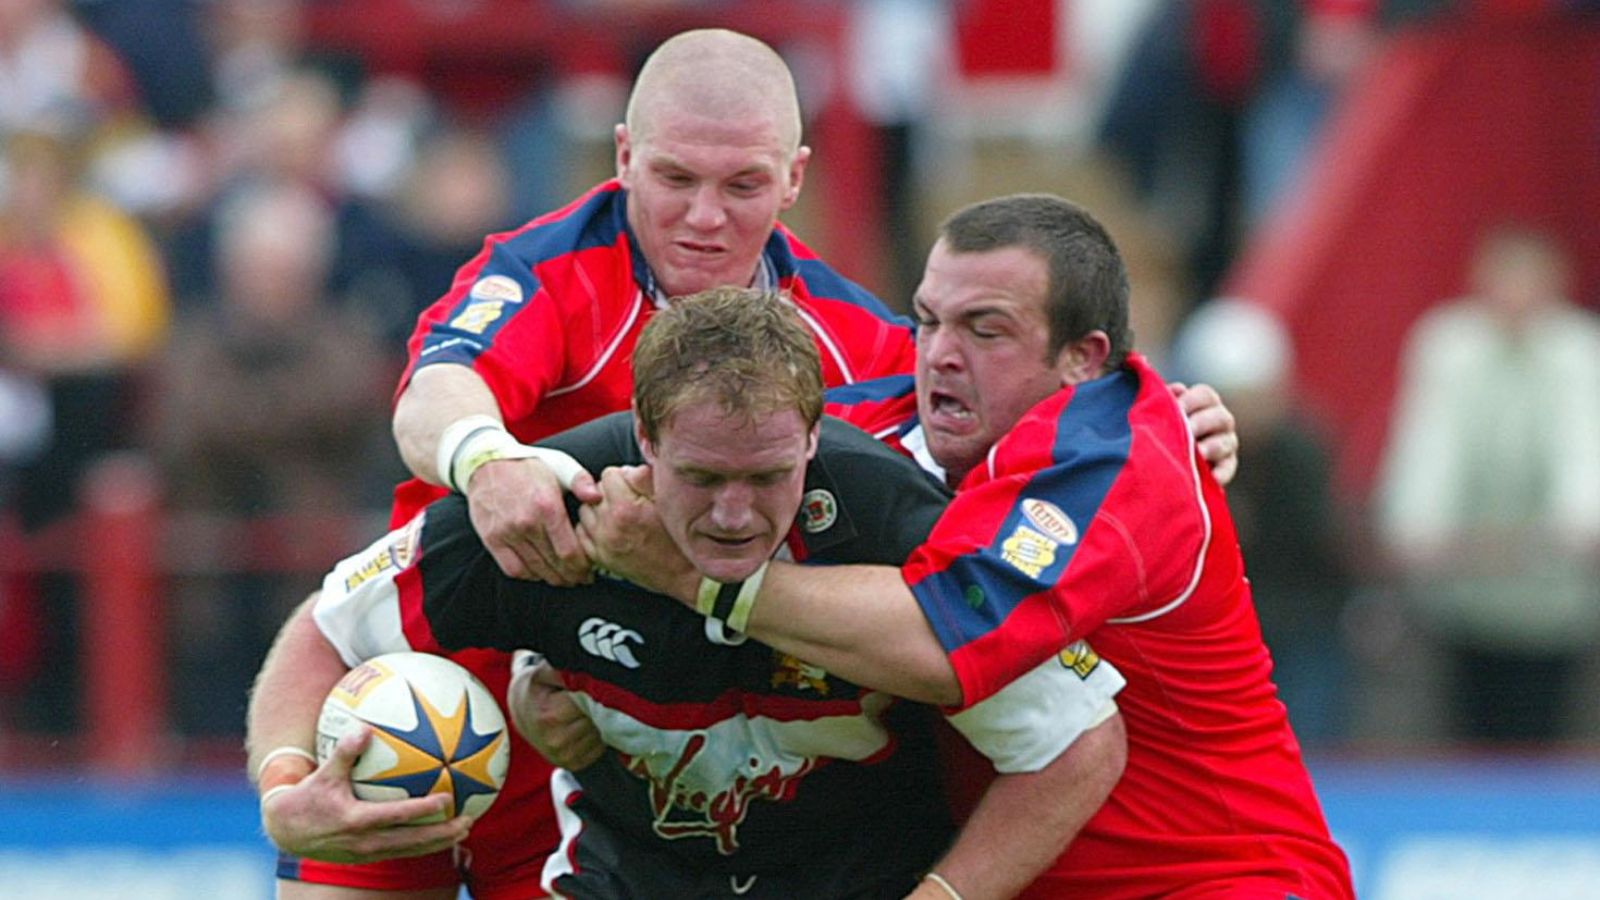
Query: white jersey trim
[916,443]
[608,352]
[1200,556]
[358,610]
[1033,719]
[827,344]
[563,788]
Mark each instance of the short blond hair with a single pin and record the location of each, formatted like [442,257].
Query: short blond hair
[745,350]
[718,73]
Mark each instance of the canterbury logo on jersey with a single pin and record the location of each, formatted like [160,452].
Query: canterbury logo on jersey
[609,640]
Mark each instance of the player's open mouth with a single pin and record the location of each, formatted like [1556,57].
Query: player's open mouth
[944,406]
[696,249]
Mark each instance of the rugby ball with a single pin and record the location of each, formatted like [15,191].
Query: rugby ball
[435,730]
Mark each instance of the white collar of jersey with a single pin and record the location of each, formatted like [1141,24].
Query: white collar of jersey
[916,444]
[765,281]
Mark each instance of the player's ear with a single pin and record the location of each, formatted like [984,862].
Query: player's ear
[646,448]
[796,176]
[624,148]
[1083,359]
[811,441]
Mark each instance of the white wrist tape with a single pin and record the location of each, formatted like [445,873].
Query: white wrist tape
[275,782]
[468,443]
[730,603]
[274,791]
[450,441]
[940,881]
[298,752]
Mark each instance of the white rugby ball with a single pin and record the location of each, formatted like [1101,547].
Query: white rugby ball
[435,730]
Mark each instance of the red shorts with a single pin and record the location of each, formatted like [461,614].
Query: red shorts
[504,856]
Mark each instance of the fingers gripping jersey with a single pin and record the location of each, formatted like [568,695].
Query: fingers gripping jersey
[1095,518]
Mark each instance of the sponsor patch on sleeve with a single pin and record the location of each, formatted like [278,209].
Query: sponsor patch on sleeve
[1080,658]
[502,288]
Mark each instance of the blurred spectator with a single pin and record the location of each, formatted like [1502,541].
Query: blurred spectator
[457,192]
[161,43]
[83,303]
[54,75]
[897,50]
[270,400]
[1219,102]
[285,135]
[1490,498]
[270,397]
[1283,506]
[254,45]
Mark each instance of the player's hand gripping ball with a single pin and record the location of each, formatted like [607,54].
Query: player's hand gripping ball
[435,730]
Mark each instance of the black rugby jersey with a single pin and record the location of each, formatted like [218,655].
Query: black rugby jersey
[735,759]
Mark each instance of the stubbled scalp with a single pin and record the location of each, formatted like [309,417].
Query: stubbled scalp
[718,74]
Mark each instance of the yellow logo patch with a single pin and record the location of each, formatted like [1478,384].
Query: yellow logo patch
[478,316]
[1028,551]
[396,554]
[789,671]
[1080,658]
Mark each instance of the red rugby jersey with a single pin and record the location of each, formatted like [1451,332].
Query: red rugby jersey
[1096,518]
[549,313]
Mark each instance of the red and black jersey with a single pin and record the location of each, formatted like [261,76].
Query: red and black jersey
[728,757]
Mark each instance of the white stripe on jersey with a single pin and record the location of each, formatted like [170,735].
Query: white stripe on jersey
[826,342]
[563,788]
[1200,555]
[608,352]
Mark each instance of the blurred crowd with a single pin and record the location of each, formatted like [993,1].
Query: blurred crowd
[216,233]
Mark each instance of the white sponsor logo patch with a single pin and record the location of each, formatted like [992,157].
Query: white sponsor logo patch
[1050,520]
[497,287]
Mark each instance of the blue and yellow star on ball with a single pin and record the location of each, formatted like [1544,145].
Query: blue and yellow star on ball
[441,754]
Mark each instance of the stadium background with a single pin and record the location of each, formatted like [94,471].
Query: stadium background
[133,607]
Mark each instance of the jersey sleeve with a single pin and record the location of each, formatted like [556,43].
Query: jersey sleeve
[499,320]
[359,607]
[1089,511]
[429,586]
[1031,720]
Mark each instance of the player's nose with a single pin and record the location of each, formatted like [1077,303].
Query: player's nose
[733,507]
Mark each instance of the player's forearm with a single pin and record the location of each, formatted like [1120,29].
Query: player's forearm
[858,622]
[1025,820]
[298,672]
[436,396]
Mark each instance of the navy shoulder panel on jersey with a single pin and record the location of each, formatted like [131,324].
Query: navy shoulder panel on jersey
[595,222]
[872,390]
